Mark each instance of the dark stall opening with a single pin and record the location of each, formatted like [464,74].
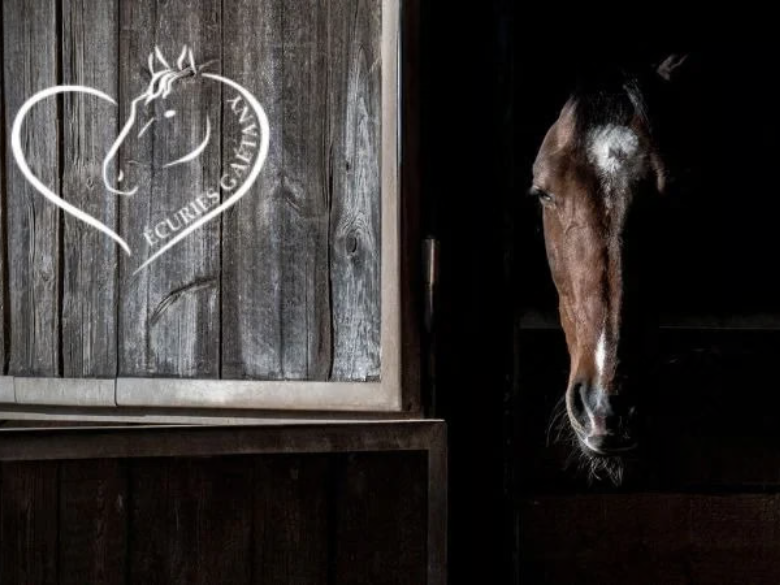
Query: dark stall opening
[704,486]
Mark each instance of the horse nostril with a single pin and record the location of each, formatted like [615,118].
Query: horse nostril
[578,405]
[599,411]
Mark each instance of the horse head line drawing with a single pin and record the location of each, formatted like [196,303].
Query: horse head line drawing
[160,86]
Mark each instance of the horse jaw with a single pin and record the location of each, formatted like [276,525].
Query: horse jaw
[115,149]
[196,152]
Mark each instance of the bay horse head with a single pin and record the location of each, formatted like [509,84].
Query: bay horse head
[153,107]
[597,176]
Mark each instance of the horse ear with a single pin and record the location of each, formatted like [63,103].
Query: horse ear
[182,56]
[160,57]
[671,67]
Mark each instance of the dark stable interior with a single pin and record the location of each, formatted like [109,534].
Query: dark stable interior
[711,243]
[715,239]
[493,83]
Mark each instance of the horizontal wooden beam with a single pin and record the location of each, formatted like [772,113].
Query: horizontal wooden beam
[7,393]
[254,394]
[182,396]
[199,441]
[65,391]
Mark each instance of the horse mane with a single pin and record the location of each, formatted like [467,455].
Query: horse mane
[162,80]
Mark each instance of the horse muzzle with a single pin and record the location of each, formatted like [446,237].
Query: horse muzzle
[603,422]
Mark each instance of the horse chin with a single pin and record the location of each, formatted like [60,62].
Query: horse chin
[598,465]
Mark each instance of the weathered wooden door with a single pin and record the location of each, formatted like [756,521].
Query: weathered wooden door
[167,246]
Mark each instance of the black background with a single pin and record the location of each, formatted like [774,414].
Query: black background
[494,77]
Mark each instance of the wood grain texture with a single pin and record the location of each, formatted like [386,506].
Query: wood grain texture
[191,521]
[291,529]
[286,285]
[355,114]
[169,312]
[382,534]
[304,196]
[89,46]
[276,283]
[28,525]
[309,235]
[93,524]
[30,55]
[209,505]
[4,292]
[650,539]
[252,237]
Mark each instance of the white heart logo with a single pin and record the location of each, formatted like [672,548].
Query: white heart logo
[160,86]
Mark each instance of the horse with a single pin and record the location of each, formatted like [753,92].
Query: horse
[152,108]
[143,108]
[598,175]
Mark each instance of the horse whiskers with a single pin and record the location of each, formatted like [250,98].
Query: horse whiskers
[557,421]
[611,467]
[595,468]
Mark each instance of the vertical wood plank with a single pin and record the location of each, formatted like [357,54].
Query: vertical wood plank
[252,236]
[28,523]
[169,312]
[4,292]
[93,539]
[355,119]
[89,57]
[381,525]
[291,527]
[277,321]
[304,195]
[190,521]
[30,56]
[310,236]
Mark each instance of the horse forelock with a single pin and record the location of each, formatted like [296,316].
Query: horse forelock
[162,83]
[163,80]
[611,127]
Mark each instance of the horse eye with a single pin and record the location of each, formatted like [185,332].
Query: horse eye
[541,195]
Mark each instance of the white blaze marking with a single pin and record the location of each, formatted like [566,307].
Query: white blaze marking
[610,146]
[601,355]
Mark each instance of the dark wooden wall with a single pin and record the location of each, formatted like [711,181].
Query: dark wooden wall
[263,519]
[285,285]
[354,511]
